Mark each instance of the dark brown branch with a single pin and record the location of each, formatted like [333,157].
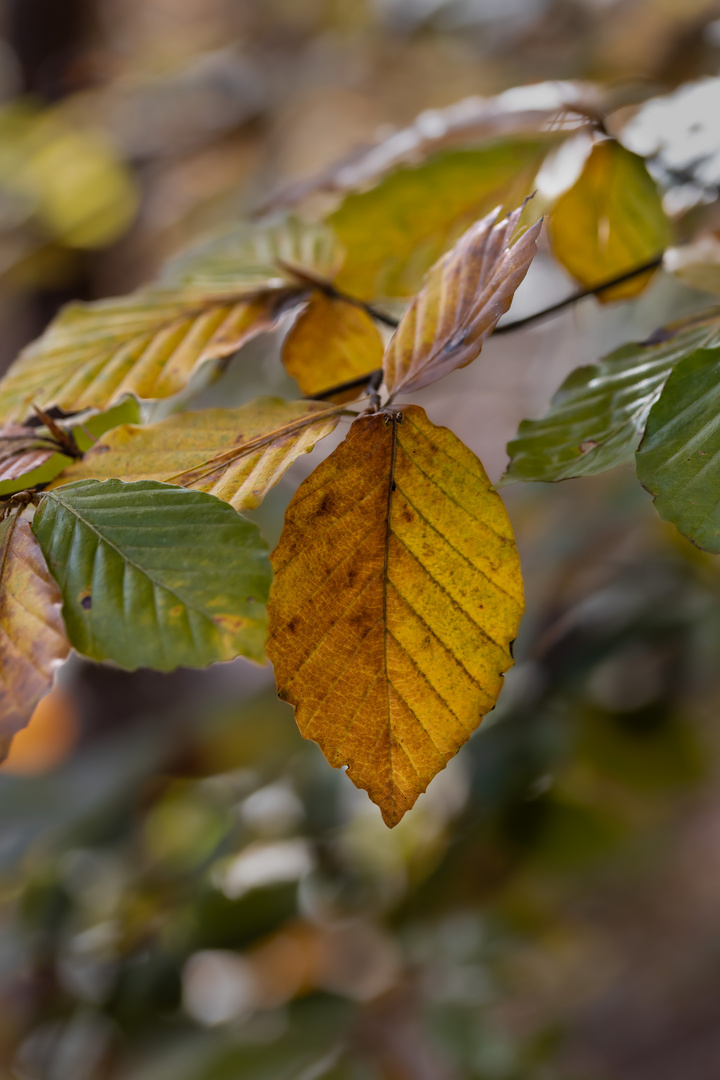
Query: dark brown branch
[372,380]
[329,290]
[574,297]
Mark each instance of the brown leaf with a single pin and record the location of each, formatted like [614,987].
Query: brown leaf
[33,640]
[397,593]
[21,451]
[331,342]
[464,295]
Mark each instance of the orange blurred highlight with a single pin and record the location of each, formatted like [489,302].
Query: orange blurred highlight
[48,739]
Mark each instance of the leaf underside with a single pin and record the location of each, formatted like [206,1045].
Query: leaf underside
[397,594]
[597,417]
[153,575]
[235,454]
[678,460]
[460,303]
[33,641]
[610,221]
[149,344]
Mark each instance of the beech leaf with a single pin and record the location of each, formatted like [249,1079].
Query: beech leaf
[153,575]
[465,294]
[396,597]
[610,221]
[396,231]
[331,342]
[597,417]
[235,454]
[678,460]
[33,641]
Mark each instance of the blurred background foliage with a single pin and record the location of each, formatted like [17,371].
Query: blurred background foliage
[187,890]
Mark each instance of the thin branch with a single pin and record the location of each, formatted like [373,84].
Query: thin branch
[329,290]
[506,328]
[373,379]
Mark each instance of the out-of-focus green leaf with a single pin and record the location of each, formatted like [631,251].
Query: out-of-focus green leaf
[153,575]
[610,221]
[396,231]
[678,460]
[69,180]
[257,256]
[235,454]
[598,415]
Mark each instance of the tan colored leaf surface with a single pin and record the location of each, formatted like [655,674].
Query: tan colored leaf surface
[696,263]
[148,344]
[525,110]
[33,641]
[331,342]
[610,221]
[234,454]
[397,594]
[460,303]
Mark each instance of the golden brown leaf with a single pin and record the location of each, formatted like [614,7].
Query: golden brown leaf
[33,641]
[397,594]
[235,454]
[331,342]
[464,295]
[610,221]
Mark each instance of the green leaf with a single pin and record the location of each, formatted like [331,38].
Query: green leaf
[678,460]
[28,457]
[597,417]
[255,256]
[610,221]
[396,231]
[153,575]
[235,454]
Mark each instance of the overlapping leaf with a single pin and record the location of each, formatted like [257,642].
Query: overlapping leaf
[30,456]
[152,342]
[396,231]
[397,594]
[331,342]
[598,415]
[251,256]
[678,460]
[33,641]
[153,575]
[610,221]
[234,454]
[459,306]
[556,107]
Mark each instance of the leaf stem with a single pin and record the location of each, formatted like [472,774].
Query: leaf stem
[373,378]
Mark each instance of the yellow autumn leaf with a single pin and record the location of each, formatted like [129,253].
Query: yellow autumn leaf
[148,344]
[397,595]
[460,303]
[331,343]
[610,221]
[33,642]
[234,454]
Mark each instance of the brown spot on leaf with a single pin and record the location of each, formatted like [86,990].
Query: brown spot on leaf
[587,446]
[85,601]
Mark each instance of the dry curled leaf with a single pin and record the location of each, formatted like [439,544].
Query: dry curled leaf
[460,303]
[33,641]
[397,594]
